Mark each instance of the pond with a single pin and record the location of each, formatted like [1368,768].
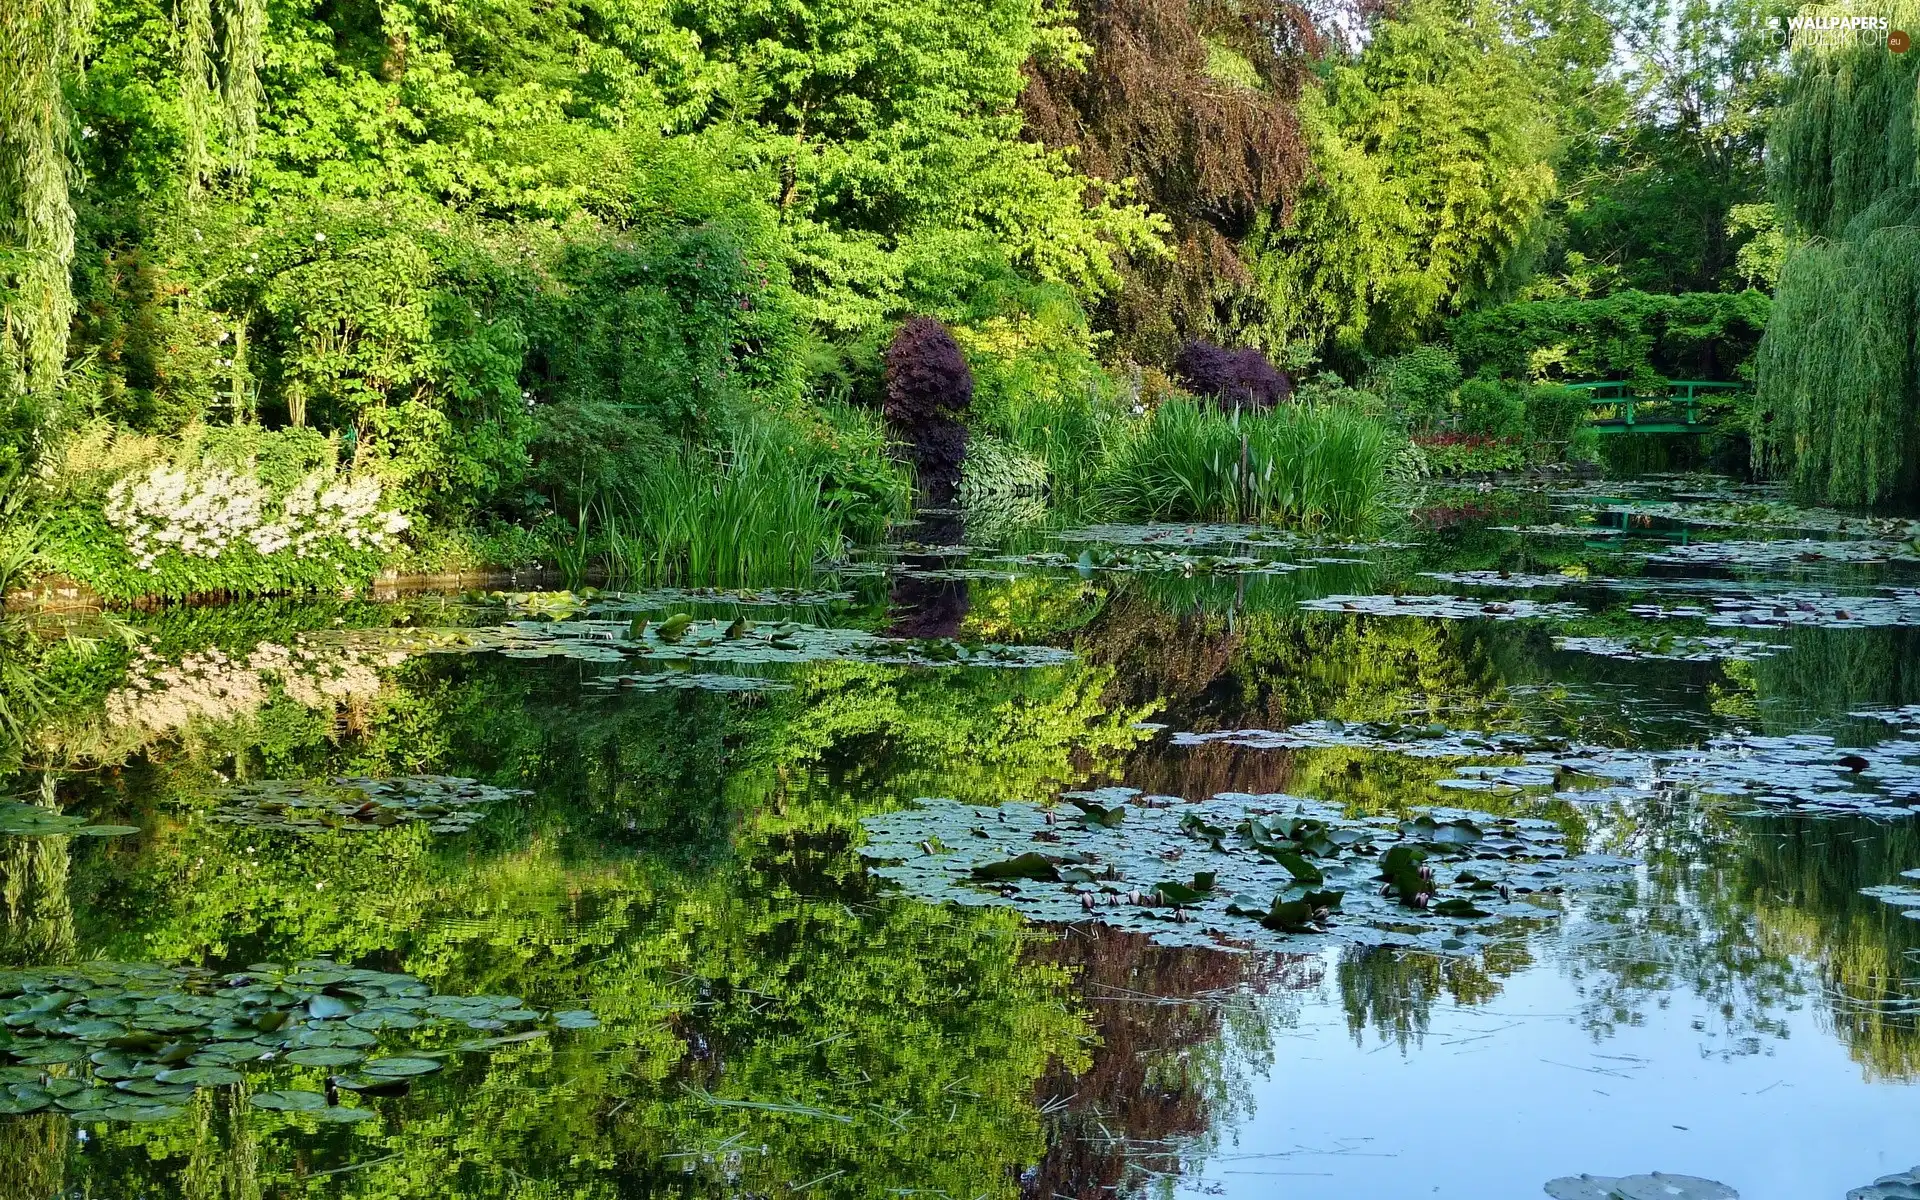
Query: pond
[1559,832]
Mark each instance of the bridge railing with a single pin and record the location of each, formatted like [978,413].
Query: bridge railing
[1615,405]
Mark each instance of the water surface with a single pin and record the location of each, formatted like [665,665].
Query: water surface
[669,836]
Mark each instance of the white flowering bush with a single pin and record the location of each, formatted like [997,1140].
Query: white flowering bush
[206,511]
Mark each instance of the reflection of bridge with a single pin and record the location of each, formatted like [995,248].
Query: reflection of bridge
[1614,407]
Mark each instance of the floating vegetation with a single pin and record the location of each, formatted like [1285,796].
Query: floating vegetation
[1446,608]
[1509,579]
[1267,871]
[1896,607]
[1804,774]
[133,1041]
[1560,530]
[31,820]
[592,601]
[1735,512]
[1672,648]
[447,803]
[1903,1186]
[681,638]
[1784,553]
[1656,1186]
[1170,534]
[688,681]
[1129,558]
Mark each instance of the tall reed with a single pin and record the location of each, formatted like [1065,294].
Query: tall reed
[1317,466]
[749,514]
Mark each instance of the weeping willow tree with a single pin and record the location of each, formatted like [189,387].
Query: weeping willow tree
[1838,405]
[41,43]
[219,65]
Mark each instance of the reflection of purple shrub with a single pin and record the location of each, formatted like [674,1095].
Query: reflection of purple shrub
[929,387]
[1235,378]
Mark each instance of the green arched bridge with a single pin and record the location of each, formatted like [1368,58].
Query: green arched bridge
[1615,407]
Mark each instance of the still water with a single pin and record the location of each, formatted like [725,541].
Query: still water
[558,896]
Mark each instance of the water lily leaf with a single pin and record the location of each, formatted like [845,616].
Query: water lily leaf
[1660,1186]
[324,1056]
[1298,867]
[1100,814]
[201,1076]
[1026,866]
[32,820]
[398,1066]
[289,1100]
[576,1019]
[675,627]
[397,1086]
[341,1114]
[138,1113]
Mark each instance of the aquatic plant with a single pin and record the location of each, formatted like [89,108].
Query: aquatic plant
[1655,1186]
[1269,871]
[1803,774]
[447,804]
[133,1041]
[1321,467]
[754,513]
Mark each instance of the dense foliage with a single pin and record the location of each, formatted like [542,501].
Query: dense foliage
[576,285]
[1630,336]
[1839,398]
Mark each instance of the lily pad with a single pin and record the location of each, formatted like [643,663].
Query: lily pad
[31,820]
[289,1100]
[1446,608]
[186,1028]
[397,1067]
[1903,1186]
[449,804]
[1806,774]
[1267,870]
[1656,1186]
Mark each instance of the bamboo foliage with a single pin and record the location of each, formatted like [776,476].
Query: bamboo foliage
[41,43]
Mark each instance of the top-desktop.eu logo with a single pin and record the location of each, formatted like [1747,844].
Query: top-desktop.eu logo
[1835,31]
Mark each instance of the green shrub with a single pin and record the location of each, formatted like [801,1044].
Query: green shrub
[1554,414]
[1418,385]
[1307,465]
[1494,408]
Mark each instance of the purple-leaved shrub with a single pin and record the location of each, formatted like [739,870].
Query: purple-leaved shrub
[1234,378]
[929,387]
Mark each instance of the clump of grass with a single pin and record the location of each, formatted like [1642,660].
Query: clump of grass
[751,513]
[1309,465]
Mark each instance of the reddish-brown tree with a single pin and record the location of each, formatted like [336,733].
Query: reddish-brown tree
[1196,101]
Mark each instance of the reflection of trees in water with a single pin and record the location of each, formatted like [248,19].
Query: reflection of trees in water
[1678,927]
[1833,671]
[1802,881]
[33,1156]
[1270,669]
[37,911]
[1392,991]
[1176,1033]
